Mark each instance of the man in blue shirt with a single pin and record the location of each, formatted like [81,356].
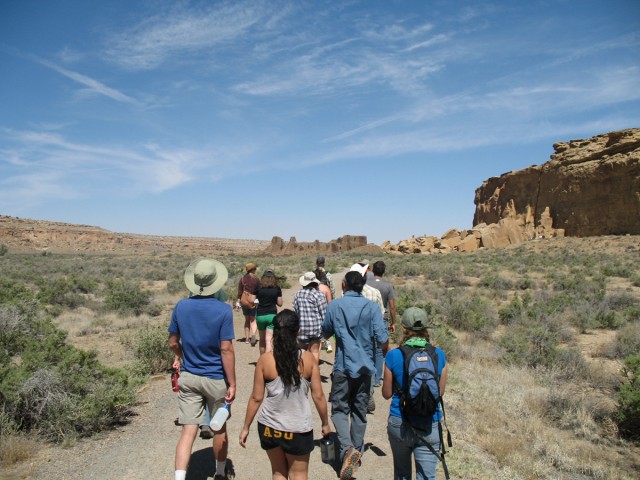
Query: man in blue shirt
[200,336]
[357,323]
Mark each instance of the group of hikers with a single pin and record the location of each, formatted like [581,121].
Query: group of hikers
[413,376]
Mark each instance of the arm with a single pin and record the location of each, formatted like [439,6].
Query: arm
[443,379]
[279,301]
[176,348]
[387,383]
[380,330]
[257,395]
[229,366]
[392,315]
[327,325]
[318,395]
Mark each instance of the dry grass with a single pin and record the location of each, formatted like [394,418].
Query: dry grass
[528,429]
[16,448]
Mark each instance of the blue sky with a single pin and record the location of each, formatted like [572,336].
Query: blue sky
[316,119]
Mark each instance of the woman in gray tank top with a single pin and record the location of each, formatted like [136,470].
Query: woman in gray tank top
[284,422]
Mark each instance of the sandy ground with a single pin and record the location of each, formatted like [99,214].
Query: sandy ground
[144,449]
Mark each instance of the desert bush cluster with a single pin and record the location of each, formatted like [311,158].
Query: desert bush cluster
[543,340]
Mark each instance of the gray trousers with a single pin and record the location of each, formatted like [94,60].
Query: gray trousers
[349,399]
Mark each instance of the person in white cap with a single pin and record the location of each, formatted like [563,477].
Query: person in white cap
[201,337]
[375,296]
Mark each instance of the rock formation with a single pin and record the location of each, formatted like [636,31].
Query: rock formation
[343,244]
[589,187]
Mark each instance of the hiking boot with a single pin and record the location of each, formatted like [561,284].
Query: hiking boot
[205,432]
[350,464]
[371,406]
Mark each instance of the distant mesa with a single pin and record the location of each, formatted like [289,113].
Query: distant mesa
[589,187]
[343,244]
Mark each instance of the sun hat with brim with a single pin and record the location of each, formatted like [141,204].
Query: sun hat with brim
[205,276]
[308,278]
[415,318]
[250,266]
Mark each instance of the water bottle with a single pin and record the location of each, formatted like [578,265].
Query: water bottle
[175,375]
[328,448]
[217,422]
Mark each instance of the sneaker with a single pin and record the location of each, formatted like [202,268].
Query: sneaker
[329,348]
[371,406]
[350,464]
[254,340]
[205,432]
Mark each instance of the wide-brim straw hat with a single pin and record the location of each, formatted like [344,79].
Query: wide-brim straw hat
[205,276]
[308,278]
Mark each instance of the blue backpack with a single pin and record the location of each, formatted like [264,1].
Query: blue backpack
[420,394]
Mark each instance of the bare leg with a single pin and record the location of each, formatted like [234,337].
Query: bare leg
[220,444]
[262,341]
[298,466]
[269,340]
[183,449]
[247,327]
[279,466]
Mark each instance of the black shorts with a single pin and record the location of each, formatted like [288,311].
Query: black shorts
[291,443]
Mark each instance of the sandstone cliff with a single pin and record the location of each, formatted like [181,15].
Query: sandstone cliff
[589,187]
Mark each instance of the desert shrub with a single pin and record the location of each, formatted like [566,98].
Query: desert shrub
[469,313]
[494,281]
[532,343]
[175,284]
[570,364]
[59,390]
[60,291]
[628,414]
[126,297]
[151,350]
[14,292]
[154,309]
[516,310]
[406,297]
[627,340]
[3,250]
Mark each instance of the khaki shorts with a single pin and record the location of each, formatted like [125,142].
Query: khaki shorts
[196,392]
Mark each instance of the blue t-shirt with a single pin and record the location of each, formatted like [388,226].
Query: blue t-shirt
[202,323]
[356,322]
[395,361]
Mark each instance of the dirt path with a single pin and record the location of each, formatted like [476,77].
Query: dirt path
[144,449]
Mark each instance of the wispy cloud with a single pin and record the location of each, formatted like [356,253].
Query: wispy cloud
[93,86]
[186,31]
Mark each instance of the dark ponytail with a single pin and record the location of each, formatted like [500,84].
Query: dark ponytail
[285,347]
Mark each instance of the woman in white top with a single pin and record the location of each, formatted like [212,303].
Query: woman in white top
[284,422]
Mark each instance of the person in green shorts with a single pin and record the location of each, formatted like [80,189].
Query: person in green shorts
[269,298]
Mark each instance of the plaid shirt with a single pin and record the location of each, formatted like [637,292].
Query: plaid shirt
[310,304]
[374,295]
